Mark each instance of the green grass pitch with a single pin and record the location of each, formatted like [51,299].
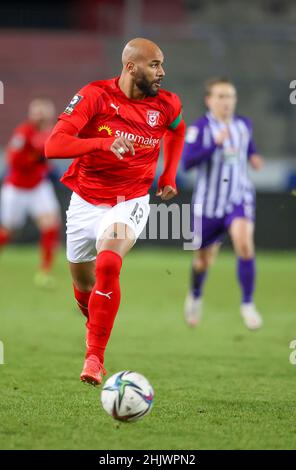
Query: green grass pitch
[216,387]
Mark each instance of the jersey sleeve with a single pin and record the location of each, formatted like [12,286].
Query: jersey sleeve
[251,149]
[83,106]
[175,112]
[195,151]
[252,146]
[18,140]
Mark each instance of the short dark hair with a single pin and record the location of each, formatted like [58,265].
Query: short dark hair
[209,84]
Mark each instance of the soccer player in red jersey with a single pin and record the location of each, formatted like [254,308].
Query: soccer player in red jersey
[26,191]
[113,129]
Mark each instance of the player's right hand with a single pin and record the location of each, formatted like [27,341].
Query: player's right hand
[222,135]
[122,146]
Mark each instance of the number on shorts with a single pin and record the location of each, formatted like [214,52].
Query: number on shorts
[137,213]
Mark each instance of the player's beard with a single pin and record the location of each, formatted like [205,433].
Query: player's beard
[145,85]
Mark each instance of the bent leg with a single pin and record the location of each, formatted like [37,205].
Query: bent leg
[118,229]
[105,296]
[83,275]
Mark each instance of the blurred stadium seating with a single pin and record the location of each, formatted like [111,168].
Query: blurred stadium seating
[55,51]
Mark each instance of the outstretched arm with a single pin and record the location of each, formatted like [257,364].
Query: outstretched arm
[63,143]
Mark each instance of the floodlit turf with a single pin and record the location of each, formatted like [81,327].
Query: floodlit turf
[216,387]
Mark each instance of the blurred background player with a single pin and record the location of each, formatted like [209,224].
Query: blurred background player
[26,190]
[110,178]
[220,145]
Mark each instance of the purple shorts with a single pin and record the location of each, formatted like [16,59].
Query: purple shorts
[214,229]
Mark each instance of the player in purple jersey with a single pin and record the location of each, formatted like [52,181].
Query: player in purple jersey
[220,146]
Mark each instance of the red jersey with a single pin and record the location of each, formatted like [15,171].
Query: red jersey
[102,110]
[26,162]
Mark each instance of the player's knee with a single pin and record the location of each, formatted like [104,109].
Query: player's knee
[83,276]
[84,285]
[202,263]
[245,249]
[48,221]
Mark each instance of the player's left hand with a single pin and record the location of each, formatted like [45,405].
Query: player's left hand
[166,193]
[256,161]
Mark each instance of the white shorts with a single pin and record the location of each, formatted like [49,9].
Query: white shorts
[18,203]
[86,224]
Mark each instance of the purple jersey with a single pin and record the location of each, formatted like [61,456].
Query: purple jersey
[222,178]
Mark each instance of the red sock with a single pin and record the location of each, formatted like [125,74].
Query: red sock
[82,299]
[4,237]
[48,241]
[103,303]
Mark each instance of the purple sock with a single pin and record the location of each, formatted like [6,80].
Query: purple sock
[197,280]
[246,273]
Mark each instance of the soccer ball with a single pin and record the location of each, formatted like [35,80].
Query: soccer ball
[127,396]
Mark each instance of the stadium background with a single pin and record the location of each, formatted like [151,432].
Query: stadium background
[219,386]
[254,44]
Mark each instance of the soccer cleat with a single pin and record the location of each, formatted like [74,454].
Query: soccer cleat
[93,371]
[43,280]
[192,310]
[251,317]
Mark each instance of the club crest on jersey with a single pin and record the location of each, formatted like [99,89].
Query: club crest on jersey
[152,118]
[74,102]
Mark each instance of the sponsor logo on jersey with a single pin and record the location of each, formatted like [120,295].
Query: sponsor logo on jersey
[105,129]
[73,103]
[152,118]
[138,139]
